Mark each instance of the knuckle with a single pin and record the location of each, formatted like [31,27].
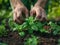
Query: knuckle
[39,16]
[30,12]
[26,11]
[18,16]
[14,20]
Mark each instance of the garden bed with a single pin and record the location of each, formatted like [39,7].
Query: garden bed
[31,32]
[14,38]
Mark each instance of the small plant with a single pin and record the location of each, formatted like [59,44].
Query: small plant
[22,34]
[31,25]
[55,28]
[31,41]
[3,32]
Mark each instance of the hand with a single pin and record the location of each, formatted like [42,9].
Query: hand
[18,14]
[39,12]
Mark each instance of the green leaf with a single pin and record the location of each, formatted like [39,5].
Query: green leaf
[21,34]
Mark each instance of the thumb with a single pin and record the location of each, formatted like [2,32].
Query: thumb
[32,12]
[26,13]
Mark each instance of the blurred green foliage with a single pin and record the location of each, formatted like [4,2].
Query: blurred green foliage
[5,13]
[54,10]
[32,25]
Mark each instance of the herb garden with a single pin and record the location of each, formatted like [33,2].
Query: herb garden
[31,32]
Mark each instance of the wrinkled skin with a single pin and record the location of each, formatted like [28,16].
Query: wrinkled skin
[17,14]
[19,9]
[39,12]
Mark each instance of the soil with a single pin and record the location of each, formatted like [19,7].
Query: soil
[13,38]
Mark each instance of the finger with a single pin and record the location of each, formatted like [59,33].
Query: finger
[14,16]
[43,18]
[33,13]
[18,21]
[15,19]
[19,14]
[38,14]
[43,15]
[19,17]
[26,13]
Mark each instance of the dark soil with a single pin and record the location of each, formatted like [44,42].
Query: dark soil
[13,38]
